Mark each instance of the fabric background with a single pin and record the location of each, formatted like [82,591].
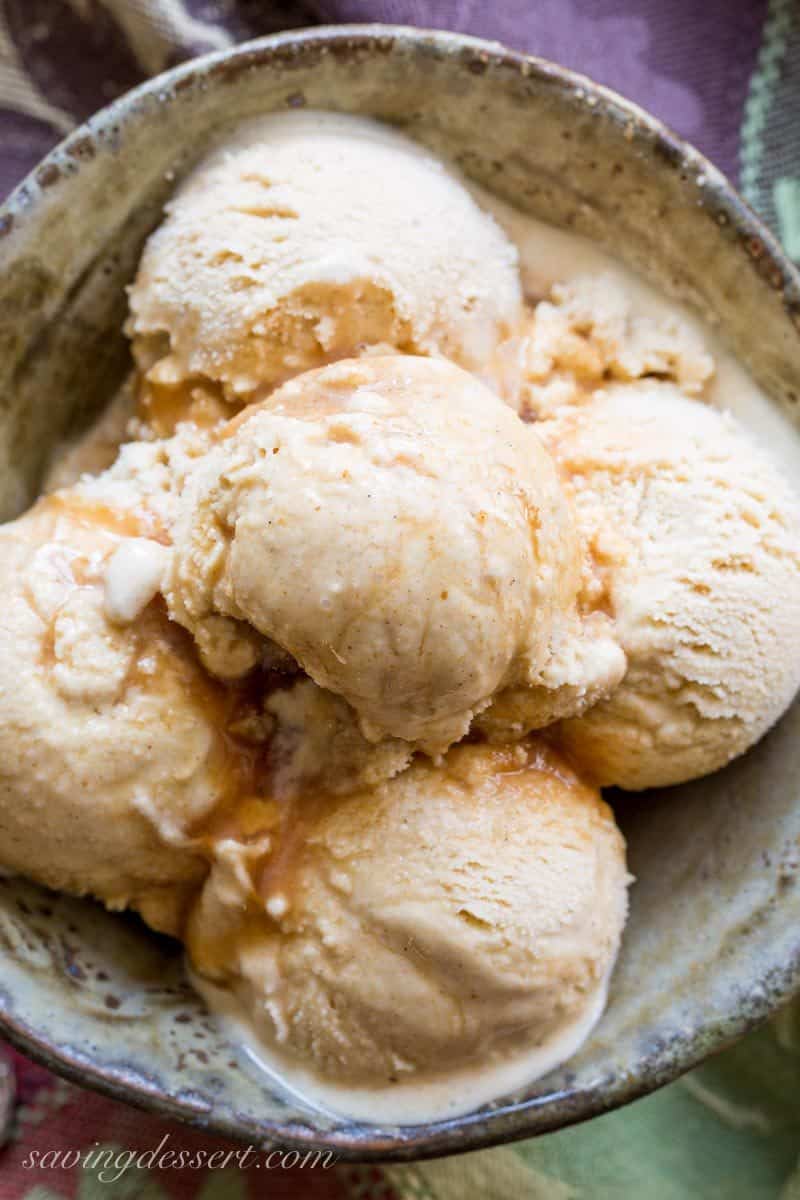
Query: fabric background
[726,75]
[690,63]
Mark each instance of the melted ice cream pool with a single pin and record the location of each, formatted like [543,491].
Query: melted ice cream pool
[410,1101]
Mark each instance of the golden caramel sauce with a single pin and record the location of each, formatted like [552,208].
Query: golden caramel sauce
[47,649]
[93,514]
[164,406]
[323,395]
[276,876]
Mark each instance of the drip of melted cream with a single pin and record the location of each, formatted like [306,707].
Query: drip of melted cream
[413,1101]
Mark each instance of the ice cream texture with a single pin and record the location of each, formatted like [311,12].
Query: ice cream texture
[487,894]
[110,741]
[305,238]
[588,332]
[398,531]
[697,537]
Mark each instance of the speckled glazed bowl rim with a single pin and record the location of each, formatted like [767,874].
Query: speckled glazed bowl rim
[474,56]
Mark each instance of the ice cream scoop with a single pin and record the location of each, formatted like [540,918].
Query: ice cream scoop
[111,742]
[696,536]
[418,948]
[306,238]
[396,529]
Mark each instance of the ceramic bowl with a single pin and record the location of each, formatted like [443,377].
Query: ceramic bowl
[713,943]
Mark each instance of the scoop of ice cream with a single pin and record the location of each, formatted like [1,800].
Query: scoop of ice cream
[109,732]
[697,537]
[396,529]
[438,927]
[589,331]
[307,237]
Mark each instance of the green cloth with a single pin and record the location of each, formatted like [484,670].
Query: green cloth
[770,145]
[729,1130]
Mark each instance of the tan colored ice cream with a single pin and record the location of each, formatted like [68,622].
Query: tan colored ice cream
[589,331]
[446,926]
[144,481]
[697,538]
[397,530]
[110,734]
[306,238]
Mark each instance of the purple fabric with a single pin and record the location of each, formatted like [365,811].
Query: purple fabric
[688,61]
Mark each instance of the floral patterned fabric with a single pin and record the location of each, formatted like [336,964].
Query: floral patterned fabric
[724,73]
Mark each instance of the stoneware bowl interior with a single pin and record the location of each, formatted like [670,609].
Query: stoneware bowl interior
[713,943]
